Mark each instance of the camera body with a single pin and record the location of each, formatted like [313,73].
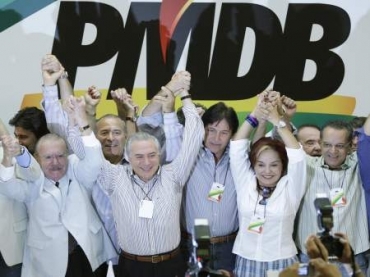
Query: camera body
[325,223]
[201,257]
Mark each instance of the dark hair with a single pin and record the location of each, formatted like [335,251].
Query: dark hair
[308,125]
[31,119]
[265,143]
[339,125]
[218,112]
[181,116]
[357,122]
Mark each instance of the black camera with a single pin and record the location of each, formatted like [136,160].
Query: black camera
[325,222]
[201,258]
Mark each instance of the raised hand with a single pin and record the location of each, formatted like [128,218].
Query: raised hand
[289,106]
[11,147]
[92,99]
[166,99]
[124,101]
[51,70]
[180,80]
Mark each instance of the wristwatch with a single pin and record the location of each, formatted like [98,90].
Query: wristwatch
[281,124]
[64,75]
[131,118]
[84,128]
[21,150]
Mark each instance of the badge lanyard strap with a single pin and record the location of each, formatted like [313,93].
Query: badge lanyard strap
[145,193]
[327,181]
[255,206]
[227,170]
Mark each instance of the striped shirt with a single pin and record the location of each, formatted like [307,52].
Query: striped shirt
[161,233]
[222,216]
[349,219]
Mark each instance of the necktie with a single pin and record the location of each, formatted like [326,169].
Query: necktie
[57,184]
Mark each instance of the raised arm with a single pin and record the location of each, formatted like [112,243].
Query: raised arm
[56,119]
[192,139]
[282,129]
[126,109]
[180,80]
[92,99]
[253,120]
[87,168]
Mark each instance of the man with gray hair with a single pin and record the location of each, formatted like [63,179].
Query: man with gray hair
[146,198]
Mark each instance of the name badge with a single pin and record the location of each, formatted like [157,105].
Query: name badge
[146,209]
[256,224]
[337,197]
[215,194]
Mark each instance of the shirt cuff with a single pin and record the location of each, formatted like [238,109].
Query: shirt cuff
[90,140]
[170,118]
[154,120]
[24,160]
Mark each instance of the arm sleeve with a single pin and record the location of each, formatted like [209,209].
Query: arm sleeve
[173,131]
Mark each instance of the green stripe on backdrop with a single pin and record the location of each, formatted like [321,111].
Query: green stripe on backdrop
[14,11]
[312,118]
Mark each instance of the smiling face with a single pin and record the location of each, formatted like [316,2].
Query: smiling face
[110,131]
[335,146]
[309,137]
[144,158]
[268,168]
[217,137]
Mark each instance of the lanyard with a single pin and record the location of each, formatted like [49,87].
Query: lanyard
[227,170]
[133,182]
[327,181]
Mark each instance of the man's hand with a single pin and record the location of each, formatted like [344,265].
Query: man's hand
[315,248]
[166,99]
[290,271]
[51,70]
[180,80]
[347,251]
[11,147]
[124,101]
[92,99]
[322,268]
[289,106]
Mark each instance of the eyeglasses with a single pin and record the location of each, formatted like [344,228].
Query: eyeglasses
[340,146]
[49,158]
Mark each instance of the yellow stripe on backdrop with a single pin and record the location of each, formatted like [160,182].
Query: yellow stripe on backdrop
[335,104]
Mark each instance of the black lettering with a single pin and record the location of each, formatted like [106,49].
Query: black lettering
[298,48]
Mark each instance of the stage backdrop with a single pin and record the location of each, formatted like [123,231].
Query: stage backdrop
[316,52]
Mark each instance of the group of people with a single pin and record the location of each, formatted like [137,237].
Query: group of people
[78,191]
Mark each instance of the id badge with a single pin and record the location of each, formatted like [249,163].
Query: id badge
[256,224]
[146,209]
[215,194]
[337,197]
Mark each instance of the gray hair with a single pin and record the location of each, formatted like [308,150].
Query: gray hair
[140,136]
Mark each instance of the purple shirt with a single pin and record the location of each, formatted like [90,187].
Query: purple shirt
[363,153]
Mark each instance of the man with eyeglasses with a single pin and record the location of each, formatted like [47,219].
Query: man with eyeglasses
[336,174]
